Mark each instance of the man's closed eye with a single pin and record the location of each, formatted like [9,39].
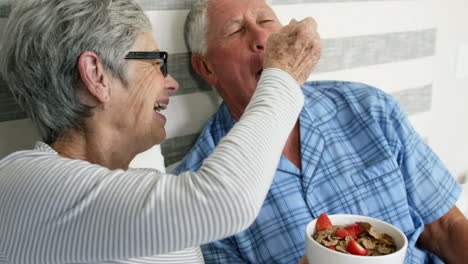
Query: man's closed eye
[237,31]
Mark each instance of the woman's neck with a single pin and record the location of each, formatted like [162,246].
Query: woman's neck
[95,147]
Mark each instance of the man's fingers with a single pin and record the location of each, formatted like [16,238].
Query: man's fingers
[303,260]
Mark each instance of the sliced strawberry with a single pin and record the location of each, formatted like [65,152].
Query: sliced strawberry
[356,249]
[344,233]
[323,222]
[354,228]
[331,247]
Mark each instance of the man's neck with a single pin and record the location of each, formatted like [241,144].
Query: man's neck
[292,149]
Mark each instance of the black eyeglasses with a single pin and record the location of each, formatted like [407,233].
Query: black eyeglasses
[151,55]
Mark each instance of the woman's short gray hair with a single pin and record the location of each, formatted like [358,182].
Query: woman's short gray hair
[196,27]
[42,43]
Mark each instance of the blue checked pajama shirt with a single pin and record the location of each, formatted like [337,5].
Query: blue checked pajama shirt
[360,155]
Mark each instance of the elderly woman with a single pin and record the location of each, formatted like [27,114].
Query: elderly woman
[91,77]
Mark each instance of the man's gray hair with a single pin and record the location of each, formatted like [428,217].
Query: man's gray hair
[41,46]
[196,27]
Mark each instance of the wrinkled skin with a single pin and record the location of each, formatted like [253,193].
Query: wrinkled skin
[244,37]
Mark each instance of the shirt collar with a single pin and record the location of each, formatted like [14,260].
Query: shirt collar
[224,119]
[43,147]
[318,107]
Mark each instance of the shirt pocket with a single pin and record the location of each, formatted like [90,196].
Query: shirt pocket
[381,193]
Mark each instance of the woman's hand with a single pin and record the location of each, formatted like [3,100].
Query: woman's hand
[296,49]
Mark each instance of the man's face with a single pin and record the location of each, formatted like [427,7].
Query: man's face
[237,36]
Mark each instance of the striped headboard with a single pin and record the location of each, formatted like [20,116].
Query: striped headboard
[384,43]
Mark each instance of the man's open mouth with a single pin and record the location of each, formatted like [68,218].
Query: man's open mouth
[259,73]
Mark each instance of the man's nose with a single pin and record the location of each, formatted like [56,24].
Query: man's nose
[259,39]
[171,84]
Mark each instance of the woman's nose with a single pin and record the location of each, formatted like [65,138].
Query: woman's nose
[171,84]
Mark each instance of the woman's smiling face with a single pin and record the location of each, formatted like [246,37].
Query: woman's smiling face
[140,99]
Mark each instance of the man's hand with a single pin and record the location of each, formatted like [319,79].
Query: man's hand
[296,48]
[303,260]
[447,237]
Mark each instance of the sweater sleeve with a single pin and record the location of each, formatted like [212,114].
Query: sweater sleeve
[235,179]
[68,211]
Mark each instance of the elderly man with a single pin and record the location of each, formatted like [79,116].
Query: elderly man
[352,151]
[91,77]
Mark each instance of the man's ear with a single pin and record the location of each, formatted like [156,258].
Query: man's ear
[204,69]
[94,76]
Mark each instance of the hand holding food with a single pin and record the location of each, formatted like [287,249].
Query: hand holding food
[296,48]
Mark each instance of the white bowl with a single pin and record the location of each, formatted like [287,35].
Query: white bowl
[318,254]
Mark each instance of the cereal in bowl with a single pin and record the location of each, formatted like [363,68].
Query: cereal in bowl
[359,238]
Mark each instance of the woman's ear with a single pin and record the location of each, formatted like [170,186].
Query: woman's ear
[204,69]
[93,76]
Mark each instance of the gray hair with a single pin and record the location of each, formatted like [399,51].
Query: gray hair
[196,27]
[44,40]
